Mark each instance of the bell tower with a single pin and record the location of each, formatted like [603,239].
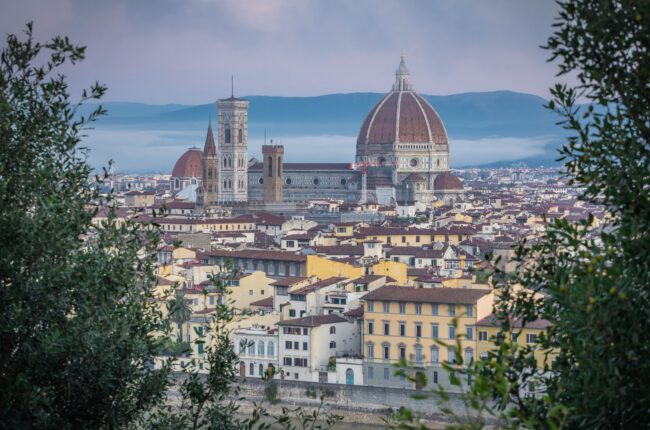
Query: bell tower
[233,149]
[208,196]
[272,166]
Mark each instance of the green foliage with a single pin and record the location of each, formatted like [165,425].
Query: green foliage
[271,392]
[174,348]
[590,283]
[205,400]
[180,311]
[331,364]
[76,315]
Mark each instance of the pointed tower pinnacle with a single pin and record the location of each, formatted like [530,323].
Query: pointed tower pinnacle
[402,77]
[209,148]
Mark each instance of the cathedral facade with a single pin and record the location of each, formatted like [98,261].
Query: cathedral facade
[402,154]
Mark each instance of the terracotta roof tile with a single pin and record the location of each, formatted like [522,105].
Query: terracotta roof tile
[426,295]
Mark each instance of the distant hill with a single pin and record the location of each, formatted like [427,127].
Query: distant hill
[467,117]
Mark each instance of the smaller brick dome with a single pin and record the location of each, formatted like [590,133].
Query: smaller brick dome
[189,165]
[447,181]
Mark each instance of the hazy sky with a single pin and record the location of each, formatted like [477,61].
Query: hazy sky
[184,51]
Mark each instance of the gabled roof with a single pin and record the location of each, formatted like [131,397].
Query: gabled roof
[492,321]
[313,321]
[318,285]
[426,295]
[288,281]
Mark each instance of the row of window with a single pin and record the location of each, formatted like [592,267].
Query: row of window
[435,330]
[418,309]
[313,181]
[297,362]
[228,137]
[227,184]
[295,330]
[419,355]
[295,345]
[250,349]
[434,375]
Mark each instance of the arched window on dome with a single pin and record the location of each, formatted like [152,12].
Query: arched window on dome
[227,135]
[178,183]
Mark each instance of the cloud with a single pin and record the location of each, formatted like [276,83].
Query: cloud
[185,51]
[156,150]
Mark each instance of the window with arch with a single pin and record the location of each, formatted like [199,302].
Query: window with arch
[252,369]
[435,354]
[178,183]
[260,348]
[225,185]
[251,348]
[418,354]
[370,350]
[242,346]
[225,162]
[227,135]
[240,136]
[279,168]
[270,163]
[469,356]
[332,330]
[385,353]
[349,377]
[270,349]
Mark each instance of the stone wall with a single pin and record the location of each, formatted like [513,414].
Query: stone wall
[353,400]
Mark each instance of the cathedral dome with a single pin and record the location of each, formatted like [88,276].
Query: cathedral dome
[189,165]
[402,116]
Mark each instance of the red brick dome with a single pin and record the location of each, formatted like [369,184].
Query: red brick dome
[447,181]
[189,165]
[402,116]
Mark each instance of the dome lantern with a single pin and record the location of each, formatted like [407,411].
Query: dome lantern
[402,77]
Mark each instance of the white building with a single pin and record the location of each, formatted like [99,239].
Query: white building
[307,344]
[258,350]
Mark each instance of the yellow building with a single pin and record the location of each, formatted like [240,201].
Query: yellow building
[323,268]
[421,325]
[139,199]
[489,328]
[397,236]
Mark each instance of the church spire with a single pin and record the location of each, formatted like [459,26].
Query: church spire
[402,77]
[209,148]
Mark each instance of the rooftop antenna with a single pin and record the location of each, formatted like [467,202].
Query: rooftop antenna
[232,86]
